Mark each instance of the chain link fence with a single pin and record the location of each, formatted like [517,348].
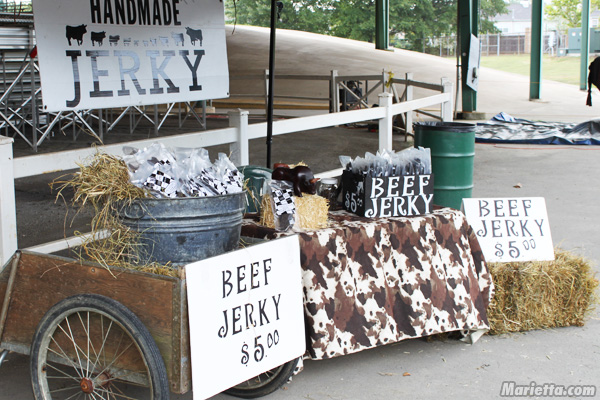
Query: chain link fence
[491,44]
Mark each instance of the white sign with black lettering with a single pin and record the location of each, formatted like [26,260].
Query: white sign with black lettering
[114,53]
[246,314]
[511,229]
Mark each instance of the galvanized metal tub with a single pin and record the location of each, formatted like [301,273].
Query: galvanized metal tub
[184,230]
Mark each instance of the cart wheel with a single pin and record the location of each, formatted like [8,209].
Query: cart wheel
[92,347]
[265,383]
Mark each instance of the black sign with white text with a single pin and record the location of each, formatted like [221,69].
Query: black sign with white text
[390,196]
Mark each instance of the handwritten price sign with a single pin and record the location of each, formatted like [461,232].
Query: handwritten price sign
[511,229]
[246,314]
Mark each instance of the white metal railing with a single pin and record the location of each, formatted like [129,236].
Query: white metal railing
[237,136]
[341,96]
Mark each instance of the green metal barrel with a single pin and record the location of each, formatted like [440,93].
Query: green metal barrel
[255,178]
[452,147]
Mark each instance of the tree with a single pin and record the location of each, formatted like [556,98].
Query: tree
[354,19]
[489,9]
[418,20]
[568,12]
[305,15]
[421,21]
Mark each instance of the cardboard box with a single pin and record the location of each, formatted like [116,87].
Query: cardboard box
[391,196]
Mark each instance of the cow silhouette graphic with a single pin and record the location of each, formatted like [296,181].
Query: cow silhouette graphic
[76,33]
[113,40]
[178,38]
[98,37]
[194,34]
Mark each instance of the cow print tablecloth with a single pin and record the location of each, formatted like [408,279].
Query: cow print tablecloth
[370,282]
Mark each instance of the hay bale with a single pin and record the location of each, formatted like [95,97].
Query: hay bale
[311,212]
[541,294]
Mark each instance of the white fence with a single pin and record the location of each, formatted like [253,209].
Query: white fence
[237,136]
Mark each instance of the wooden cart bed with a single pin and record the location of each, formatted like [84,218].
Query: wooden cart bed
[31,283]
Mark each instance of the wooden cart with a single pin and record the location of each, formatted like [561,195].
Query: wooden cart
[99,333]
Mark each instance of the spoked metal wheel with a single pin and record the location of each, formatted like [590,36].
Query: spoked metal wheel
[265,383]
[92,347]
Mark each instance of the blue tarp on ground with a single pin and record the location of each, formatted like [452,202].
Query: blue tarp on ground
[505,129]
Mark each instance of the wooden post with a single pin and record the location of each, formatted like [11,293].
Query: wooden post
[447,106]
[385,124]
[8,213]
[240,149]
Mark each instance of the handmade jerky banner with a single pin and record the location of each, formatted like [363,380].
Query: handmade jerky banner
[115,53]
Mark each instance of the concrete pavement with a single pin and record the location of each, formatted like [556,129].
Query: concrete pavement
[566,176]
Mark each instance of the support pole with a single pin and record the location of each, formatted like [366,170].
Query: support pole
[271,81]
[468,13]
[334,97]
[535,74]
[585,44]
[382,18]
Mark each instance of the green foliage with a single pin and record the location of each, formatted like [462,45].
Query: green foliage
[489,9]
[17,8]
[567,12]
[418,20]
[353,19]
[306,15]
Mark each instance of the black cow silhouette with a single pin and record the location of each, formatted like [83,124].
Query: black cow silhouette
[98,37]
[114,39]
[178,38]
[76,32]
[194,34]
